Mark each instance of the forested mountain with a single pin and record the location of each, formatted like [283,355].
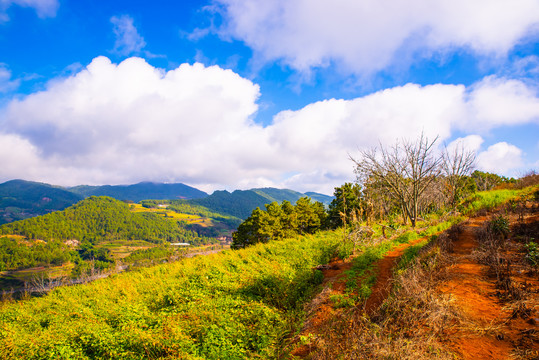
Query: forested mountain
[324,199]
[21,199]
[98,219]
[240,203]
[141,191]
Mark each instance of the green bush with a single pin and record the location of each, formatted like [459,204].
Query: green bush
[532,253]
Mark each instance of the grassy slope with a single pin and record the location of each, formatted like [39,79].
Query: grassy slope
[231,305]
[21,199]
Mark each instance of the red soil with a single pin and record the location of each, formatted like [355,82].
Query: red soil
[323,309]
[492,331]
[384,268]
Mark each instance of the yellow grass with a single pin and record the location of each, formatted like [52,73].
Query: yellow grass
[49,272]
[189,218]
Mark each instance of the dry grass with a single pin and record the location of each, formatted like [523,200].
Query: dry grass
[410,324]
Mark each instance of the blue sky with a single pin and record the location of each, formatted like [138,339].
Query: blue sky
[228,94]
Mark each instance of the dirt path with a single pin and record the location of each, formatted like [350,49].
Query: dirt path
[322,309]
[384,269]
[494,322]
[473,294]
[491,331]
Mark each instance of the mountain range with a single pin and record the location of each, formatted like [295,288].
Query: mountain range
[20,199]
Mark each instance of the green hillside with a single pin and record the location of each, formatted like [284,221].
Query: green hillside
[98,219]
[210,307]
[324,199]
[241,203]
[95,233]
[140,191]
[21,199]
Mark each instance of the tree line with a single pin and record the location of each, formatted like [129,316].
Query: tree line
[401,182]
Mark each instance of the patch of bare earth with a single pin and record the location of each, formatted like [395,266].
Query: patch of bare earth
[384,268]
[461,299]
[495,327]
[321,311]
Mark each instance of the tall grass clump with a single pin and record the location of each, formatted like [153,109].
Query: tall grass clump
[488,200]
[231,305]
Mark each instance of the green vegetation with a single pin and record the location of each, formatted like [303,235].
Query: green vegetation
[91,235]
[487,200]
[231,305]
[346,204]
[21,199]
[163,251]
[532,253]
[212,307]
[16,254]
[100,218]
[241,203]
[140,191]
[486,181]
[201,217]
[280,222]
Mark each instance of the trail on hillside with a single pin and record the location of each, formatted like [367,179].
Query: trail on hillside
[384,268]
[495,308]
[494,329]
[322,310]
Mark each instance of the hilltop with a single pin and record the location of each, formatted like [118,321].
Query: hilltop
[20,199]
[240,203]
[140,191]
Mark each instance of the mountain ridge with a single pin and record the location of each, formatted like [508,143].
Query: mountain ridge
[22,199]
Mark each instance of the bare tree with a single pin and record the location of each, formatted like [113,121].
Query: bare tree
[456,165]
[405,169]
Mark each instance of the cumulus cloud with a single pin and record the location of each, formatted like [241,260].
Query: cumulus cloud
[366,36]
[467,143]
[128,122]
[43,8]
[128,40]
[501,158]
[498,101]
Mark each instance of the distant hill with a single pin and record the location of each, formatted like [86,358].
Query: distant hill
[20,199]
[141,191]
[97,219]
[324,199]
[240,203]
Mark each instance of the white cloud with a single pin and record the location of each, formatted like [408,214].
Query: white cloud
[6,84]
[128,122]
[497,101]
[467,143]
[367,36]
[501,158]
[116,123]
[43,8]
[128,40]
